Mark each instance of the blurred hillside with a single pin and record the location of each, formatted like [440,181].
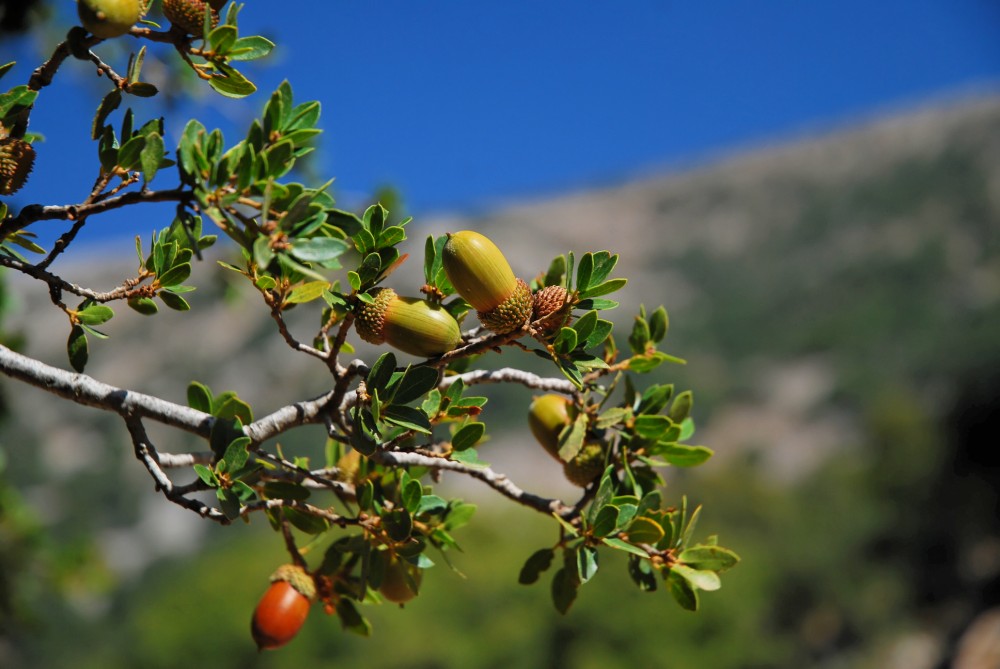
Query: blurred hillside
[838,301]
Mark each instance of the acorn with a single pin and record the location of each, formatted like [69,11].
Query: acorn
[410,324]
[480,273]
[546,302]
[547,416]
[283,608]
[399,581]
[109,18]
[586,466]
[17,157]
[189,15]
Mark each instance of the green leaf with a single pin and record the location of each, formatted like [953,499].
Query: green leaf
[536,564]
[285,490]
[318,249]
[658,324]
[565,341]
[584,271]
[306,522]
[398,524]
[222,38]
[604,263]
[651,427]
[598,303]
[173,300]
[709,558]
[645,531]
[586,563]
[143,305]
[682,592]
[681,408]
[232,407]
[108,104]
[151,156]
[350,619]
[307,292]
[206,475]
[468,436]
[410,418]
[681,455]
[77,348]
[414,384]
[411,495]
[605,288]
[698,578]
[142,89]
[95,314]
[236,454]
[459,515]
[176,275]
[381,372]
[130,153]
[655,398]
[606,521]
[231,83]
[199,397]
[564,587]
[571,438]
[625,546]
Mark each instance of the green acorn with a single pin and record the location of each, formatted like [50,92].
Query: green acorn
[547,416]
[16,160]
[410,324]
[586,466]
[399,580]
[189,15]
[481,275]
[109,18]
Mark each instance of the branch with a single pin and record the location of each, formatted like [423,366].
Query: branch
[497,481]
[54,281]
[36,212]
[511,375]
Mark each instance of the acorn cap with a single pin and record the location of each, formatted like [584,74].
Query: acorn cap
[410,324]
[547,416]
[546,302]
[586,466]
[189,15]
[109,18]
[17,157]
[298,578]
[481,275]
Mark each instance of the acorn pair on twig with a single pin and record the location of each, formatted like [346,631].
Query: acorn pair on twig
[482,276]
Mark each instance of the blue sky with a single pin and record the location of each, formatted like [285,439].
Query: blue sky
[463,105]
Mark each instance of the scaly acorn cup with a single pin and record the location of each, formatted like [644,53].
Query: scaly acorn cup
[481,275]
[547,303]
[547,416]
[189,15]
[283,608]
[586,466]
[410,324]
[109,18]
[17,157]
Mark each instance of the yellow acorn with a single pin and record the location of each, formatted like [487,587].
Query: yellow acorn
[586,466]
[480,273]
[189,15]
[109,18]
[547,416]
[410,324]
[16,160]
